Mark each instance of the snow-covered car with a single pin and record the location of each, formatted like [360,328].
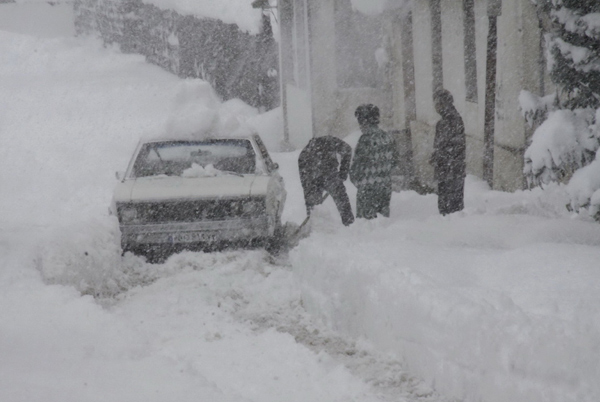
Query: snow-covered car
[191,193]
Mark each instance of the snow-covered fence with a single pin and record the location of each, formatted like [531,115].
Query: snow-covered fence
[236,63]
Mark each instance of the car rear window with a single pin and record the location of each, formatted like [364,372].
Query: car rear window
[195,158]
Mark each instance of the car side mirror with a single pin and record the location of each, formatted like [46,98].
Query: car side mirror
[120,175]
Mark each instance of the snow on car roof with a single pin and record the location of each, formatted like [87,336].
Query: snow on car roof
[191,138]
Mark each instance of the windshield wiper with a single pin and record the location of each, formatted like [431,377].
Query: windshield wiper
[157,154]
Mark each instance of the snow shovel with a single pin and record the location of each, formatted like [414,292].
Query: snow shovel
[305,221]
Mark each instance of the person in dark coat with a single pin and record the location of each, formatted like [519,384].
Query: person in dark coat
[320,171]
[449,154]
[375,156]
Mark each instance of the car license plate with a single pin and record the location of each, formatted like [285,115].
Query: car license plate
[191,237]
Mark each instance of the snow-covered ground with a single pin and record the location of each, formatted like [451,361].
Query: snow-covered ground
[500,302]
[78,322]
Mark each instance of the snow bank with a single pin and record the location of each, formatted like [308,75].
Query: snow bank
[197,112]
[496,314]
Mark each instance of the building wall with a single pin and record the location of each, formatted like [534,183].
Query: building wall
[510,125]
[322,66]
[518,67]
[331,106]
[423,64]
[396,71]
[453,53]
[294,73]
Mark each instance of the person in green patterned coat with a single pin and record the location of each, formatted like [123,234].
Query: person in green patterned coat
[375,156]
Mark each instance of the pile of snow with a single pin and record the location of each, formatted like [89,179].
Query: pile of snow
[199,171]
[196,112]
[499,302]
[193,111]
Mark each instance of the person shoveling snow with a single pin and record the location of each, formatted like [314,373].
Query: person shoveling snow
[321,172]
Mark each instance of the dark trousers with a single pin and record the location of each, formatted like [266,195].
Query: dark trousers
[373,199]
[313,195]
[451,195]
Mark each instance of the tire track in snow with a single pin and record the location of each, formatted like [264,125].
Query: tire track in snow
[261,292]
[385,375]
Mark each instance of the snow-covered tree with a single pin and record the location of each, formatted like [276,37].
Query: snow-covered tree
[565,146]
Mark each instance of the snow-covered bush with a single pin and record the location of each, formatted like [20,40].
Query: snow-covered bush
[564,143]
[584,188]
[564,147]
[535,108]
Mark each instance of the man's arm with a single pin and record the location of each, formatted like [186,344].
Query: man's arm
[358,165]
[305,163]
[437,143]
[345,151]
[395,153]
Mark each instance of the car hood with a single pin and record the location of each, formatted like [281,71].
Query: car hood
[168,188]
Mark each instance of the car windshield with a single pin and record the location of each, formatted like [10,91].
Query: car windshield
[195,158]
